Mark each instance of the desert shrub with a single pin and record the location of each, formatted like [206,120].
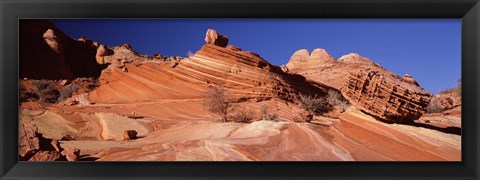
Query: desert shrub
[217,102]
[313,104]
[434,106]
[456,91]
[92,83]
[67,91]
[334,98]
[49,95]
[41,84]
[243,116]
[190,54]
[267,115]
[28,95]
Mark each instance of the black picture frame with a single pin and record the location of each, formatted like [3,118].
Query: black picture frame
[467,10]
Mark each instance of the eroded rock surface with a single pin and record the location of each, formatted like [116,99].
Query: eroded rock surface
[385,97]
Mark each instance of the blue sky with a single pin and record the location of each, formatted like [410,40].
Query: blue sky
[428,49]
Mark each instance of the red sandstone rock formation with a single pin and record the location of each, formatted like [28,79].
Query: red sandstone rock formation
[386,97]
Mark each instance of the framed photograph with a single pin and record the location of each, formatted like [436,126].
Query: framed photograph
[239,89]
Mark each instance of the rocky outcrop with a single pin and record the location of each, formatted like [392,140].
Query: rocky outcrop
[213,37]
[45,52]
[385,97]
[34,147]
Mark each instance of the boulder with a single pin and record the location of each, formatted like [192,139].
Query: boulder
[53,41]
[102,51]
[129,135]
[386,97]
[71,154]
[213,37]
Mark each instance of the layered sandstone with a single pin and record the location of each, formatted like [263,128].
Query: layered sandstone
[133,78]
[386,97]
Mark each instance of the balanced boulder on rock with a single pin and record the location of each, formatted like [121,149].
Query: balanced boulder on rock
[213,37]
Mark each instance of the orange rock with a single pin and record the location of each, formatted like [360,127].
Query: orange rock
[213,37]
